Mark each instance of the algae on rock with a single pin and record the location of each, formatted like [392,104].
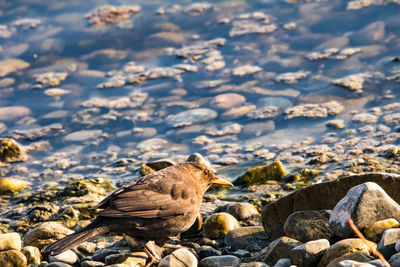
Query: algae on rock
[261,174]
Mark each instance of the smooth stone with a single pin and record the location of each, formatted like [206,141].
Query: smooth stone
[11,65]
[366,204]
[261,174]
[190,117]
[82,135]
[309,254]
[11,258]
[343,247]
[92,264]
[285,262]
[251,238]
[116,258]
[101,255]
[179,258]
[328,194]
[308,225]
[10,241]
[207,252]
[356,256]
[68,257]
[394,260]
[280,102]
[218,261]
[227,101]
[217,225]
[254,264]
[45,233]
[397,246]
[58,264]
[240,210]
[387,244]
[32,254]
[375,231]
[136,259]
[369,34]
[378,263]
[353,263]
[11,151]
[278,249]
[13,112]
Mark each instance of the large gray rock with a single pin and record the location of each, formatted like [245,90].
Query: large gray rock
[365,204]
[309,254]
[386,245]
[307,225]
[321,196]
[252,238]
[278,249]
[352,263]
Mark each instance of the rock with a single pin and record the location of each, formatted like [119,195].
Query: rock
[245,70]
[343,247]
[32,254]
[56,92]
[111,14]
[198,8]
[207,252]
[370,34]
[11,65]
[68,257]
[314,110]
[11,151]
[228,101]
[260,175]
[190,117]
[45,233]
[365,118]
[90,263]
[284,262]
[310,253]
[386,245]
[179,257]
[83,135]
[50,79]
[217,261]
[100,255]
[11,185]
[394,260]
[292,77]
[116,258]
[135,259]
[253,264]
[240,210]
[278,249]
[13,112]
[59,264]
[374,232]
[353,82]
[218,225]
[78,188]
[328,194]
[366,204]
[251,238]
[352,263]
[10,241]
[308,225]
[356,256]
[397,246]
[12,258]
[265,112]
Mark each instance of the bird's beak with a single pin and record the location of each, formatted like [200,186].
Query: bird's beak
[221,181]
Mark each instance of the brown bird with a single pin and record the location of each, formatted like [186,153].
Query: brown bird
[156,207]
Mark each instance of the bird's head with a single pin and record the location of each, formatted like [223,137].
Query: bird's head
[208,177]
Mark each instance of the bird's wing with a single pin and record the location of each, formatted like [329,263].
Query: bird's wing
[137,201]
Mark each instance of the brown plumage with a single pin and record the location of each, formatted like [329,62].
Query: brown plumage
[156,207]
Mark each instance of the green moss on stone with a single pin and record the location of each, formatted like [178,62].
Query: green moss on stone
[11,151]
[260,175]
[83,187]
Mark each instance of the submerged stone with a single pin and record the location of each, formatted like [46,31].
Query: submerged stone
[11,151]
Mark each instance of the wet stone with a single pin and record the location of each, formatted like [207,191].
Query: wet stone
[256,22]
[228,101]
[111,14]
[11,151]
[82,135]
[50,79]
[364,118]
[284,262]
[261,174]
[190,117]
[68,257]
[266,112]
[234,128]
[56,92]
[314,110]
[292,77]
[198,8]
[245,70]
[12,185]
[11,65]
[353,82]
[13,112]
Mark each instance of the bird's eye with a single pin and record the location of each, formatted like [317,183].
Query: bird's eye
[206,172]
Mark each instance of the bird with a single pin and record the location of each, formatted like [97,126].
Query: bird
[157,207]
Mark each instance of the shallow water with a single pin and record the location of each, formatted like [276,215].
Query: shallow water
[65,41]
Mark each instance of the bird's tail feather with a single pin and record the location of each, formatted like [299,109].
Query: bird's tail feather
[75,239]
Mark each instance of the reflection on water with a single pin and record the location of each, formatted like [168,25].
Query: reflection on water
[233,80]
